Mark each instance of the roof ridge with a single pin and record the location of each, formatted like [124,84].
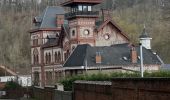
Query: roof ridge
[44,16]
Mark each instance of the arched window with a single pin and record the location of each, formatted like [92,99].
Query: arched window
[73,32]
[37,60]
[55,57]
[66,55]
[59,56]
[46,58]
[49,57]
[35,56]
[34,59]
[36,78]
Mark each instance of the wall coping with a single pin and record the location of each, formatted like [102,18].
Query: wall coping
[142,79]
[93,82]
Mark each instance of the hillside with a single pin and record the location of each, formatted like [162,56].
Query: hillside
[131,15]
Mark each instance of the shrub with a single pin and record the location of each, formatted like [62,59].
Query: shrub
[12,85]
[68,82]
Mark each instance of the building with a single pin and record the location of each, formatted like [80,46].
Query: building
[119,57]
[56,35]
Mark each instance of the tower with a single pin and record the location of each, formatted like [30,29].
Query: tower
[145,39]
[81,20]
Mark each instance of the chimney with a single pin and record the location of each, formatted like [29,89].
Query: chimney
[98,58]
[60,20]
[106,14]
[134,55]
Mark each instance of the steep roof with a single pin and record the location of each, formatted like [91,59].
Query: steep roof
[48,17]
[113,55]
[165,67]
[101,24]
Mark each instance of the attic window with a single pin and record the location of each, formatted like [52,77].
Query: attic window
[125,58]
[139,57]
[106,36]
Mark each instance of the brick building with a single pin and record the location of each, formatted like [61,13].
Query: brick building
[56,35]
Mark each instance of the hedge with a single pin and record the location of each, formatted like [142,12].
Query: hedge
[68,82]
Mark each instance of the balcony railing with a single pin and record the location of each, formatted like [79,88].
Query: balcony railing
[82,14]
[70,2]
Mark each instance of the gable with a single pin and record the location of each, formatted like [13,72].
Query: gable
[109,34]
[114,26]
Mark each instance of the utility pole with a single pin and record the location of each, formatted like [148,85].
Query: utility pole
[141,60]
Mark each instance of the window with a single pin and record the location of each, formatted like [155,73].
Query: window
[35,56]
[66,55]
[46,58]
[35,42]
[36,78]
[84,8]
[59,56]
[55,57]
[106,36]
[49,57]
[49,78]
[89,8]
[80,8]
[73,32]
[86,32]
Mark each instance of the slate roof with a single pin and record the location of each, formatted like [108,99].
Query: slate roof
[52,41]
[165,67]
[48,17]
[113,55]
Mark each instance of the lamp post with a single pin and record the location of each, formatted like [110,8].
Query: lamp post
[141,60]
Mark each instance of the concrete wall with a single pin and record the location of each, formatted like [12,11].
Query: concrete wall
[84,90]
[118,89]
[46,93]
[50,93]
[141,89]
[62,95]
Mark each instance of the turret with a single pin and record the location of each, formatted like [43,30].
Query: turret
[145,39]
[81,8]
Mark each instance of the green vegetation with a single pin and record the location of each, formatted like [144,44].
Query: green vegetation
[130,15]
[11,85]
[68,82]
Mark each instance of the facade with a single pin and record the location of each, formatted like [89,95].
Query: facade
[56,35]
